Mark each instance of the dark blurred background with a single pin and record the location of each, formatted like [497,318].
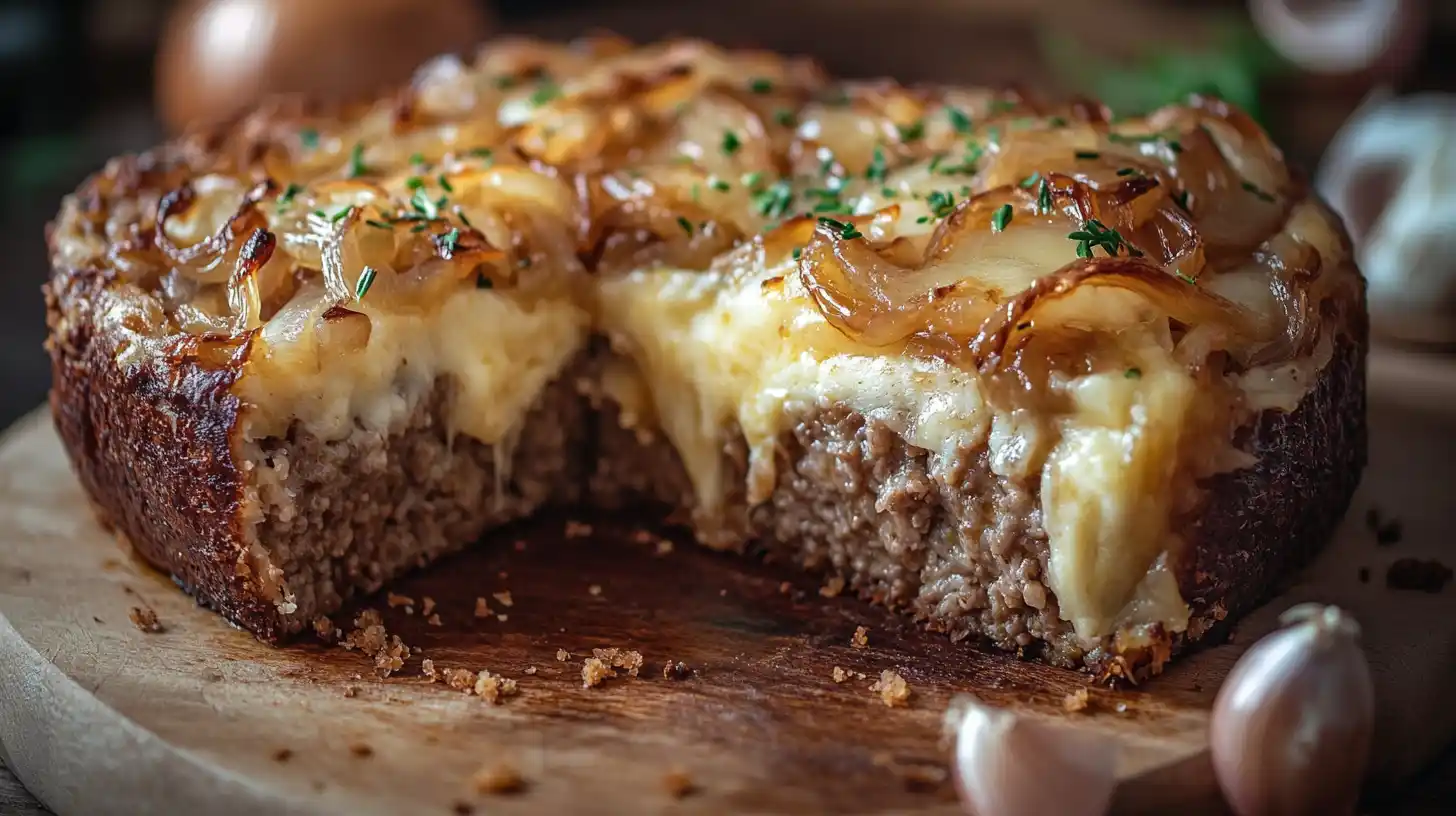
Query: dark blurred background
[78,78]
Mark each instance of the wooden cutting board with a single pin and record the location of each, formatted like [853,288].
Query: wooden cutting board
[97,716]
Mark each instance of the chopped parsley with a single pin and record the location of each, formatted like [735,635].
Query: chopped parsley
[731,142]
[414,182]
[774,201]
[959,119]
[940,202]
[993,136]
[357,167]
[366,280]
[1129,171]
[341,215]
[760,85]
[309,138]
[1133,374]
[483,153]
[888,192]
[289,193]
[1001,106]
[829,201]
[377,224]
[752,180]
[798,253]
[449,241]
[505,82]
[445,183]
[544,93]
[1030,181]
[1249,186]
[784,117]
[423,205]
[687,226]
[417,158]
[878,167]
[1057,122]
[1001,218]
[720,185]
[1188,279]
[1044,198]
[846,230]
[1095,234]
[1087,154]
[911,132]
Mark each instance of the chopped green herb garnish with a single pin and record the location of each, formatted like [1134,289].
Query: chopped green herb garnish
[993,136]
[377,224]
[341,215]
[449,241]
[752,180]
[505,81]
[1001,106]
[309,138]
[760,85]
[1001,218]
[419,228]
[461,215]
[731,142]
[1253,188]
[687,226]
[912,131]
[289,193]
[784,117]
[878,167]
[697,192]
[1188,279]
[1182,198]
[888,192]
[1057,122]
[1087,154]
[1128,171]
[720,185]
[414,182]
[417,158]
[1044,198]
[321,214]
[798,253]
[1095,234]
[775,201]
[1133,374]
[445,183]
[356,161]
[941,203]
[366,280]
[482,152]
[959,119]
[422,204]
[1030,181]
[935,162]
[544,93]
[846,230]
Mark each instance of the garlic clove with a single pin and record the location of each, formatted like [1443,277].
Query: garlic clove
[1291,726]
[1014,765]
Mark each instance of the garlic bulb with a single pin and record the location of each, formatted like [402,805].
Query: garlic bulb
[1012,765]
[1291,726]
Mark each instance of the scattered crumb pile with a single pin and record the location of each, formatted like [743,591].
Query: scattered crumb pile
[145,619]
[678,784]
[676,671]
[493,688]
[1076,701]
[563,655]
[604,663]
[861,638]
[498,778]
[892,688]
[371,638]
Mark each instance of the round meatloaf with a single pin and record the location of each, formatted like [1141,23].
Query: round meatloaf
[1076,386]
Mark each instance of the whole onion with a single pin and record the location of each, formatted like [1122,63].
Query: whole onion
[1291,727]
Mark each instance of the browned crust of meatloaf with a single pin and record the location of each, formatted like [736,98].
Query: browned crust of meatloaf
[156,447]
[964,550]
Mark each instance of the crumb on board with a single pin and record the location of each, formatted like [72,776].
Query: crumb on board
[427,668]
[1418,575]
[577,529]
[840,675]
[530,670]
[832,587]
[892,688]
[861,637]
[678,784]
[371,638]
[627,659]
[361,750]
[482,609]
[351,691]
[283,755]
[494,688]
[594,671]
[676,671]
[504,598]
[395,601]
[460,679]
[594,590]
[433,620]
[324,628]
[427,605]
[498,778]
[145,619]
[563,655]
[1076,701]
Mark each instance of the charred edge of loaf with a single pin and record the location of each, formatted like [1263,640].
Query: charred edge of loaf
[963,549]
[157,449]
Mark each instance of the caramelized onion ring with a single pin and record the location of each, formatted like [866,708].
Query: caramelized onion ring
[203,256]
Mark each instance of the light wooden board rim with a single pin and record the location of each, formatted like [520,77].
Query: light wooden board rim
[104,719]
